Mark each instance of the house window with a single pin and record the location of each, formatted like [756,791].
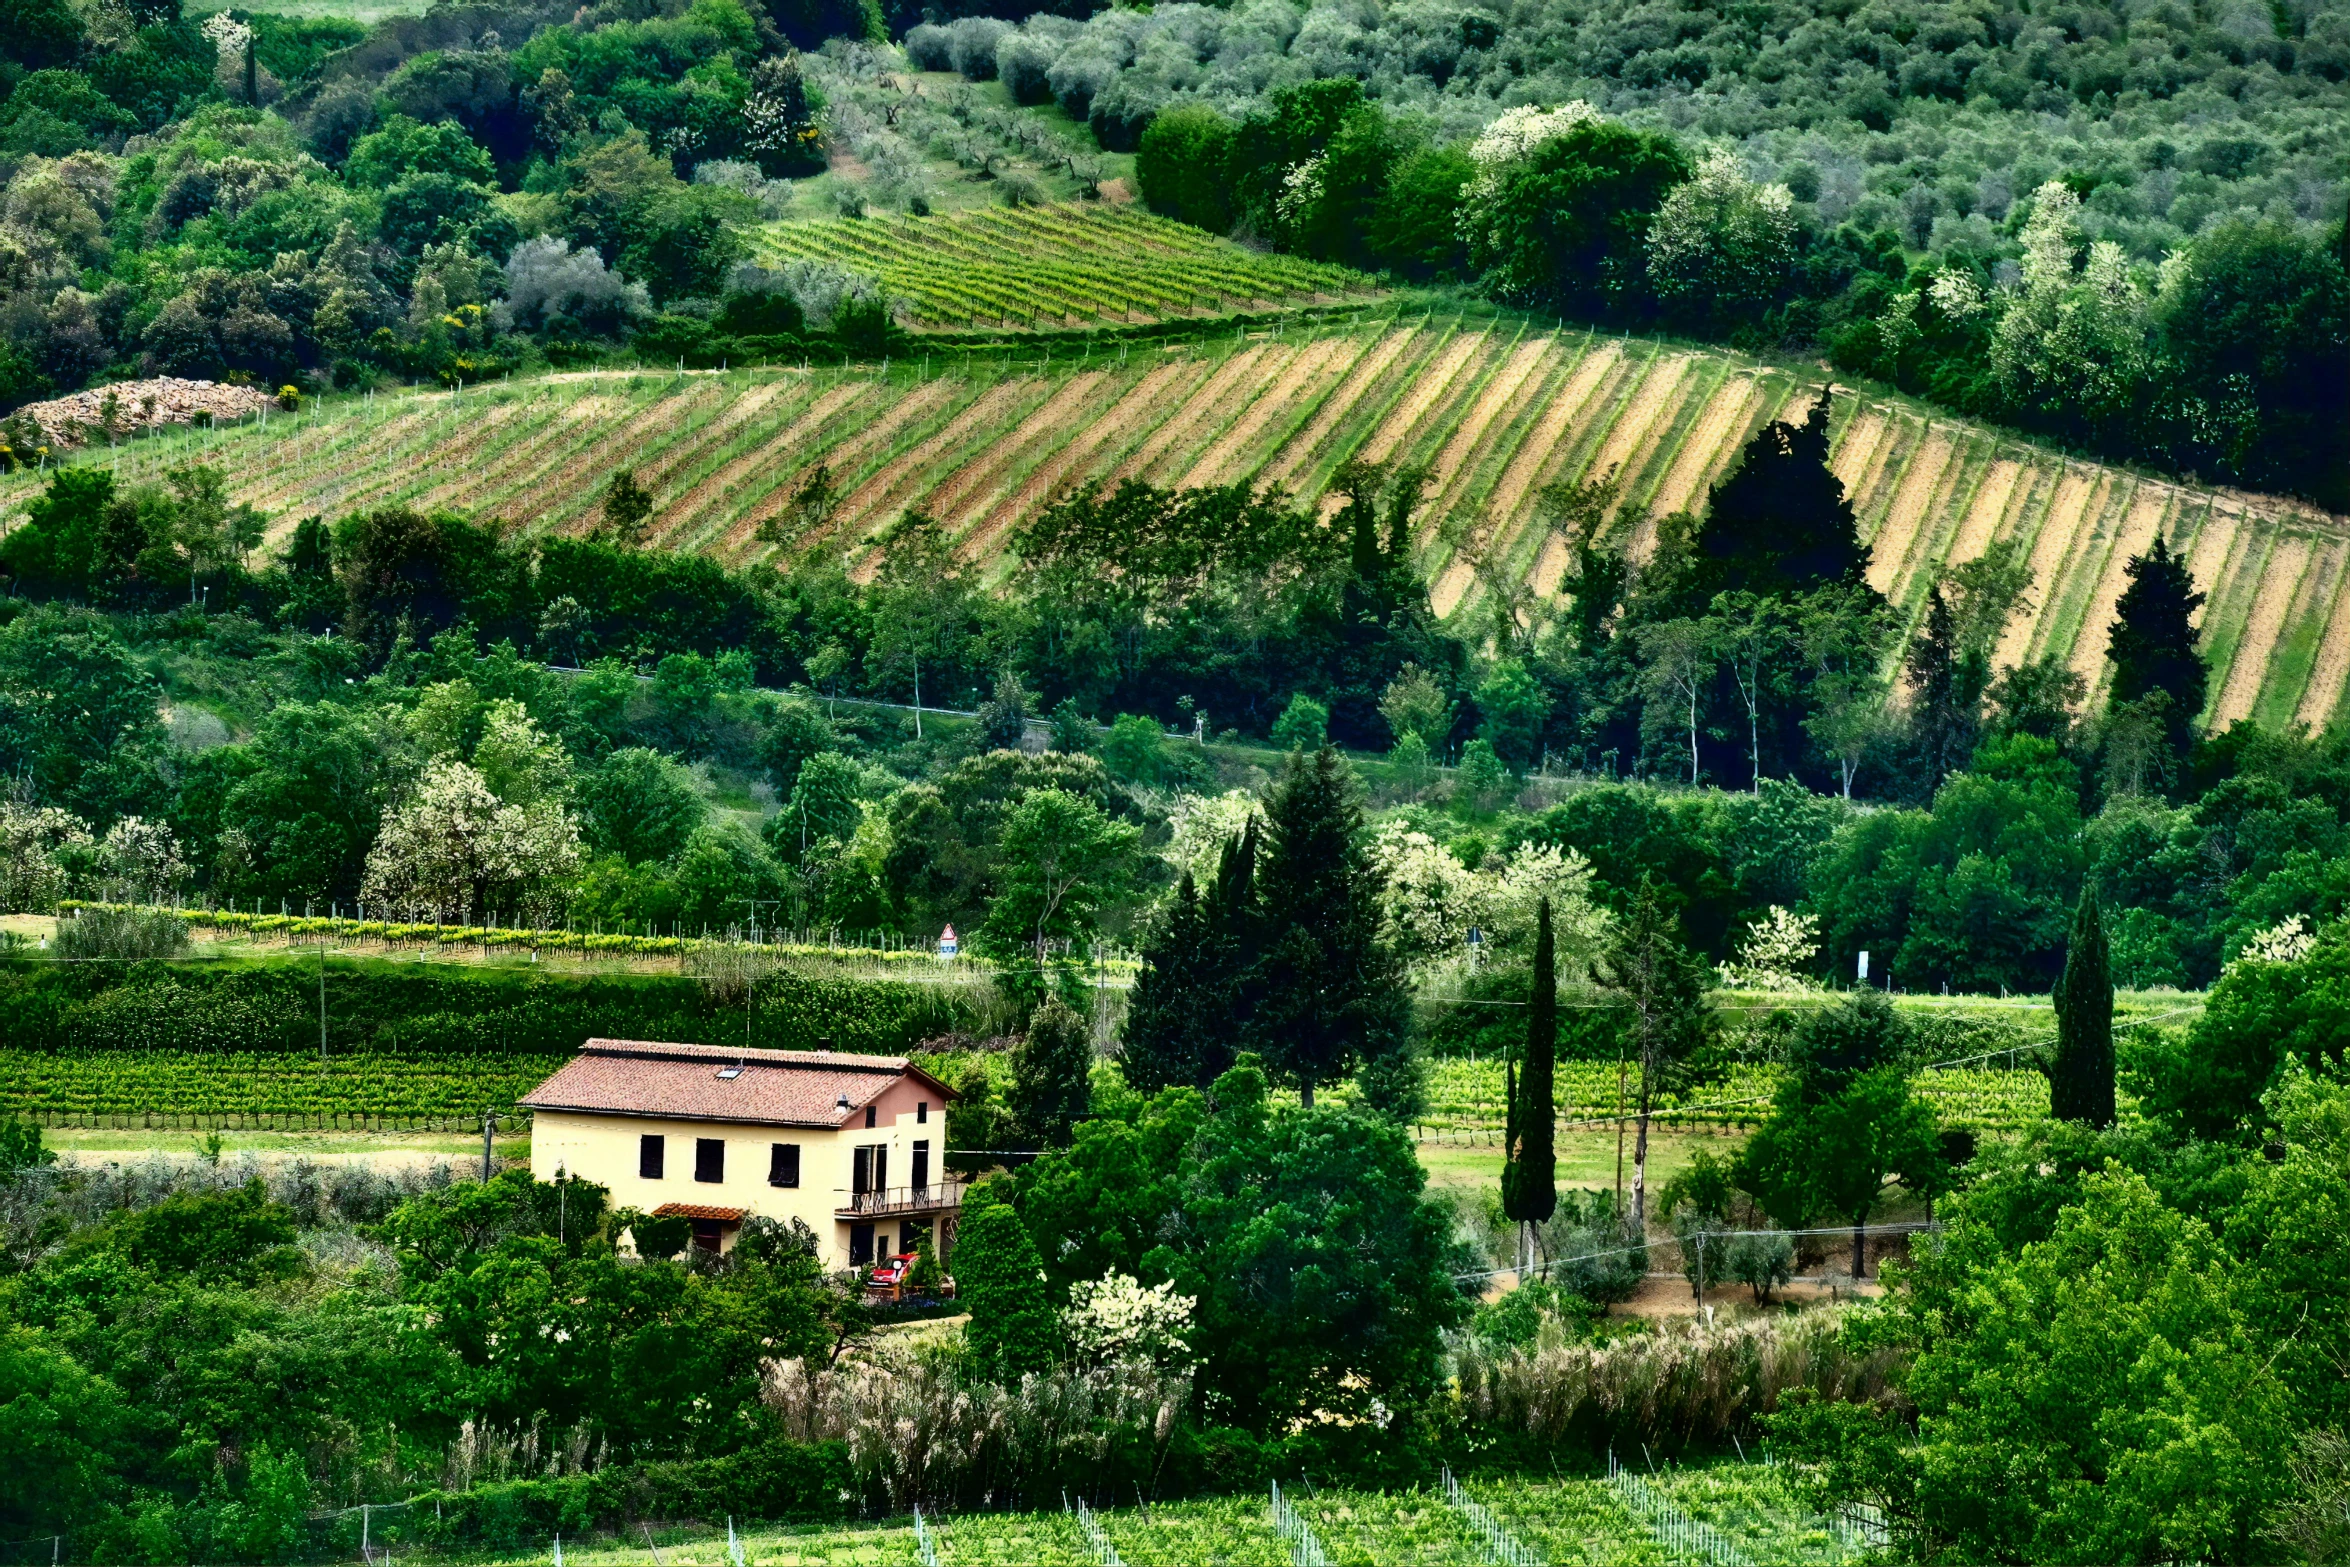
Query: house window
[922,1163]
[709,1159]
[783,1164]
[869,1168]
[860,1245]
[871,1113]
[921,1112]
[649,1153]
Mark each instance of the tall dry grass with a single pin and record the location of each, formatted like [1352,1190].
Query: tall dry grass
[919,1431]
[1685,1382]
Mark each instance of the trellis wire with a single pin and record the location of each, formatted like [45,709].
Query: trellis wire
[1500,1545]
[922,1546]
[1095,1540]
[1305,1547]
[1680,1534]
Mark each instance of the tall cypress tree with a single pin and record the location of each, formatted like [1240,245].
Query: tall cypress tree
[2152,643]
[1328,993]
[1529,1173]
[2080,1079]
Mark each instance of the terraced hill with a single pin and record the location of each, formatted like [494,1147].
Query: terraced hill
[1499,404]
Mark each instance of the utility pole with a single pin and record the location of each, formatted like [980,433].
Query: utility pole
[489,1130]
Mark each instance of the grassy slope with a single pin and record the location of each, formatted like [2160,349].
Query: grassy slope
[1500,403]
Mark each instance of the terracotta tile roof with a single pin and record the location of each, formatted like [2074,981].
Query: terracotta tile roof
[698,1210]
[683,1083]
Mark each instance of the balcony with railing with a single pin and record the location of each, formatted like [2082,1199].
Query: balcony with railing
[937,1197]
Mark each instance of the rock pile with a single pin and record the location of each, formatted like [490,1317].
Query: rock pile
[68,422]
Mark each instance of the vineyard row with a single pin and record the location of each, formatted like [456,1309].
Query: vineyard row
[1500,407]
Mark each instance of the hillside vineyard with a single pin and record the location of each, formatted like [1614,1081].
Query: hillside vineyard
[1499,405]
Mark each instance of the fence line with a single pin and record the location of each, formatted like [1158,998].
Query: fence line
[1096,1540]
[1305,1547]
[1680,1534]
[1500,1545]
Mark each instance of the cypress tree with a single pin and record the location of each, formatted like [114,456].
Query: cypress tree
[2152,643]
[1326,993]
[1529,1175]
[2080,1080]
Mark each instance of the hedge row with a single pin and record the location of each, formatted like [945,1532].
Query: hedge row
[775,1482]
[272,1003]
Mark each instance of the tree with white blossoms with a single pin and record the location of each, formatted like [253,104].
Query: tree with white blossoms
[2287,941]
[1114,1321]
[1431,901]
[1775,953]
[36,844]
[143,860]
[2070,350]
[1199,825]
[455,852]
[1721,245]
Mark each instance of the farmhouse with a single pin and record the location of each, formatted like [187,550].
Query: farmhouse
[853,1146]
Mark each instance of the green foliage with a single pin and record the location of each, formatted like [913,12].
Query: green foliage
[1051,1089]
[1181,166]
[1001,1283]
[1062,861]
[442,1010]
[639,804]
[1321,1271]
[1564,225]
[2261,1020]
[1779,523]
[1304,725]
[2095,1396]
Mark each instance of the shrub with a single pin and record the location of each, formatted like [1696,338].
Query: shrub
[133,935]
[550,285]
[971,46]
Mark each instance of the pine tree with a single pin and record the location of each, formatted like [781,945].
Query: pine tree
[627,507]
[2152,642]
[1529,1175]
[2080,1079]
[1780,524]
[1328,994]
[1052,1077]
[1163,1012]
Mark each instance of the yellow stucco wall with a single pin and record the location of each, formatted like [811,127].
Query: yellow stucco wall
[603,1149]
